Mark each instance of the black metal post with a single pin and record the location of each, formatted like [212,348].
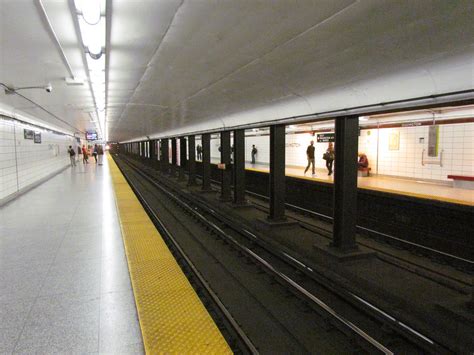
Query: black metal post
[345,183]
[174,157]
[277,173]
[206,161]
[227,171]
[192,160]
[182,157]
[239,166]
[165,160]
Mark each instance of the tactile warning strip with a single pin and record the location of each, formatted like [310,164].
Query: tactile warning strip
[172,318]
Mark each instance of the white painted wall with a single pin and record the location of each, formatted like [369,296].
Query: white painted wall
[23,162]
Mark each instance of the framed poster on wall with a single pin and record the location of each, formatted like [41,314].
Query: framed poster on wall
[28,134]
[394,140]
[37,137]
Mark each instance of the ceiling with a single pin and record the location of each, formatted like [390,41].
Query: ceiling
[182,66]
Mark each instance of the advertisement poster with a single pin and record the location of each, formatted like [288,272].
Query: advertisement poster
[37,137]
[394,140]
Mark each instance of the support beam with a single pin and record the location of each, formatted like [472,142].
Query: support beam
[165,160]
[174,157]
[192,160]
[206,162]
[239,166]
[182,157]
[227,172]
[277,173]
[345,183]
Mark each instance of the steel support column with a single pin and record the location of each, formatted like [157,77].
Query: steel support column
[277,173]
[206,161]
[165,160]
[239,166]
[226,179]
[174,157]
[345,183]
[191,160]
[182,157]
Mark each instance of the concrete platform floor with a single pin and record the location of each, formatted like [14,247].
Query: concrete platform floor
[64,282]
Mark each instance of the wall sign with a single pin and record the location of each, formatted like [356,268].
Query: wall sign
[394,140]
[325,137]
[28,134]
[433,140]
[37,137]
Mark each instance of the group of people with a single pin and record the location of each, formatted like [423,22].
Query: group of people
[97,154]
[329,157]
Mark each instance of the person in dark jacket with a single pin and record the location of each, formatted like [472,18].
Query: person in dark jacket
[310,156]
[72,155]
[199,152]
[329,157]
[254,153]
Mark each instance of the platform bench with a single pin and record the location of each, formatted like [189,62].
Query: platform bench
[462,182]
[363,172]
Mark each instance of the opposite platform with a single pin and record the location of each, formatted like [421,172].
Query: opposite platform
[173,319]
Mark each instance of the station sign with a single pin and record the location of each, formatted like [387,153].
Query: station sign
[325,137]
[91,135]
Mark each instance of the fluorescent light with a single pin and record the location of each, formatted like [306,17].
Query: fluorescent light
[93,36]
[91,11]
[363,118]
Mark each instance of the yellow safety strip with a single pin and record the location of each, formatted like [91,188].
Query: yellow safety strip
[395,192]
[172,318]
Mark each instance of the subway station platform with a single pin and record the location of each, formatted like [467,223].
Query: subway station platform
[65,279]
[409,187]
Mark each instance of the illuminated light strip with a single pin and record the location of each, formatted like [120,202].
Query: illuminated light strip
[92,24]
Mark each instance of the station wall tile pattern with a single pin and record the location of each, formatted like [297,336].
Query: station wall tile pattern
[23,162]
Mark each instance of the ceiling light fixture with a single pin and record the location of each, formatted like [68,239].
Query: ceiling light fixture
[92,24]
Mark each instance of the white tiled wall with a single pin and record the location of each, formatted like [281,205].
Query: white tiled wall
[456,142]
[23,162]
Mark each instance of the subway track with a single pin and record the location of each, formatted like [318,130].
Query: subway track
[322,224]
[278,307]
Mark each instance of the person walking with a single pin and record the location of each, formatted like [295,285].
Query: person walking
[100,153]
[199,152]
[72,155]
[254,153]
[94,153]
[85,155]
[329,157]
[310,156]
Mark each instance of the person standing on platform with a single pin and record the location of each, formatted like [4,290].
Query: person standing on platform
[94,153]
[199,152]
[72,155]
[310,156]
[329,157]
[100,153]
[85,155]
[254,153]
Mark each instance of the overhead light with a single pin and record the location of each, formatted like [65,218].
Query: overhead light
[363,118]
[93,36]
